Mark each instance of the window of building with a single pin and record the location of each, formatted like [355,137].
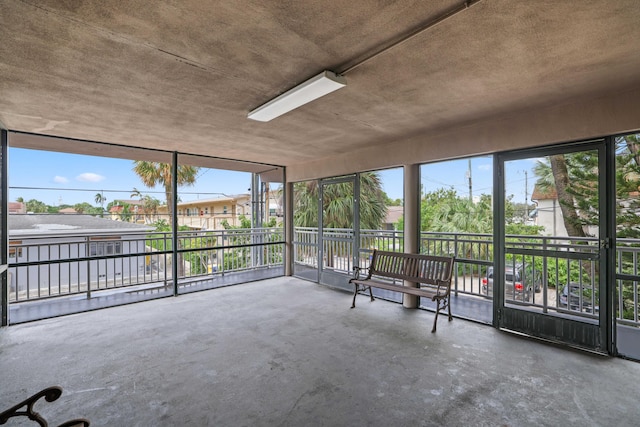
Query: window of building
[105,248]
[224,209]
[15,253]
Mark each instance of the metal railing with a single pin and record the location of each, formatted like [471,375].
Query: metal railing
[50,267]
[565,268]
[545,273]
[628,279]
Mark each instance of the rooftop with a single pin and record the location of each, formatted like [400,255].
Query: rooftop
[36,225]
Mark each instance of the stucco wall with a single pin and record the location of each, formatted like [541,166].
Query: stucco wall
[578,119]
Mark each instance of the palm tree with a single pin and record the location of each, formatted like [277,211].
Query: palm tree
[154,173]
[100,199]
[462,215]
[150,206]
[136,193]
[337,205]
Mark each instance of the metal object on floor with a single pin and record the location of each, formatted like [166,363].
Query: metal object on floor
[50,394]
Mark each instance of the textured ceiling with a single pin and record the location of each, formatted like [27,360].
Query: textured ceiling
[182,75]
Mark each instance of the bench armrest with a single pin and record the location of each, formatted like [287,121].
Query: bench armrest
[446,284]
[357,270]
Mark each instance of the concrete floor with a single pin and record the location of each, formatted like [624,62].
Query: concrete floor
[286,352]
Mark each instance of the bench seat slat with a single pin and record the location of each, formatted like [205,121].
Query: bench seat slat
[421,292]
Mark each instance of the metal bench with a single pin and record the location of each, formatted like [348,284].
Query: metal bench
[25,409]
[432,273]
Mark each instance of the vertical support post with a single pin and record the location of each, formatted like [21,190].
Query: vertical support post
[411,222]
[87,252]
[288,226]
[498,238]
[320,239]
[608,282]
[356,222]
[4,288]
[174,221]
[256,219]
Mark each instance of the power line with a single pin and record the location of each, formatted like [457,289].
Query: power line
[112,191]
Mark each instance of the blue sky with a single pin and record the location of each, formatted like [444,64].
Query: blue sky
[454,174]
[72,178]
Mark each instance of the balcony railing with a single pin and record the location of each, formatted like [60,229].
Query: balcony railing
[84,264]
[543,273]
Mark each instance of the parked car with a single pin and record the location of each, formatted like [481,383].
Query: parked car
[571,299]
[519,283]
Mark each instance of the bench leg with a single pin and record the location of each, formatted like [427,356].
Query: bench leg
[435,321]
[355,293]
[441,304]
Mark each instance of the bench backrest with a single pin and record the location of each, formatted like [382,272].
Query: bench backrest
[427,269]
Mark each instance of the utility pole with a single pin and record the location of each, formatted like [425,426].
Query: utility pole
[470,187]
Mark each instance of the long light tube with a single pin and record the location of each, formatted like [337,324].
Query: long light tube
[314,88]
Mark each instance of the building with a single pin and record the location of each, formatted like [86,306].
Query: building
[548,213]
[394,213]
[16,208]
[67,238]
[67,211]
[210,214]
[135,211]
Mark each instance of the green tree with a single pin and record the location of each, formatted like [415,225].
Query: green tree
[559,173]
[125,213]
[388,201]
[463,215]
[237,258]
[627,186]
[36,206]
[153,173]
[445,211]
[86,208]
[338,204]
[150,205]
[431,203]
[136,193]
[100,199]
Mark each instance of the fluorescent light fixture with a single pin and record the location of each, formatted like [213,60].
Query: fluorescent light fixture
[320,85]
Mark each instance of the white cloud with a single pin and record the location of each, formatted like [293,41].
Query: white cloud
[60,179]
[90,177]
[485,167]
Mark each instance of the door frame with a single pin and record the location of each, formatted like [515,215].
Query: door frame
[329,277]
[585,335]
